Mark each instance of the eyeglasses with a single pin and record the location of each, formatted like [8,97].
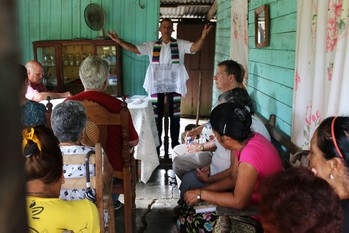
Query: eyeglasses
[219,75]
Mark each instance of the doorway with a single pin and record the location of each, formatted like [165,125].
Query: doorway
[200,68]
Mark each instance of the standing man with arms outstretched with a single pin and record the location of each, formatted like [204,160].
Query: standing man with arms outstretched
[166,73]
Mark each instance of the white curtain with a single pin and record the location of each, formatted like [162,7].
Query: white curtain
[239,34]
[321,87]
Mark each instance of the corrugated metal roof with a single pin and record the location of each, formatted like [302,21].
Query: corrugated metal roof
[177,9]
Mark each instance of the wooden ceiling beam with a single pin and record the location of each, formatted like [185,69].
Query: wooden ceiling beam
[212,12]
[183,4]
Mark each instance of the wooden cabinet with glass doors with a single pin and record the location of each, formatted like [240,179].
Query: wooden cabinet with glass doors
[61,60]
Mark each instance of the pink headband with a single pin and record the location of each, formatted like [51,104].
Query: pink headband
[334,138]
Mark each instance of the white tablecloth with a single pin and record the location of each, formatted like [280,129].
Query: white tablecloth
[144,122]
[143,119]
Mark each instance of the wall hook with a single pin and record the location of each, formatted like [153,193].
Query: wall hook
[141,5]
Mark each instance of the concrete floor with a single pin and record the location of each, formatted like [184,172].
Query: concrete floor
[154,204]
[156,199]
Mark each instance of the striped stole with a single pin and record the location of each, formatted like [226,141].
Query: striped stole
[174,51]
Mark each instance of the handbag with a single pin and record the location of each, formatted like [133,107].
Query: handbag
[237,224]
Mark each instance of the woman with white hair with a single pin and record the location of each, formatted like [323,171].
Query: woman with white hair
[94,73]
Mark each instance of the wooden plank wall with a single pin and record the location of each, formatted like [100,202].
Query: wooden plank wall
[64,19]
[271,69]
[223,29]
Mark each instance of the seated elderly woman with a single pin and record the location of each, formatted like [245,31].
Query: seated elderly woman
[94,73]
[44,173]
[253,158]
[68,121]
[329,158]
[296,201]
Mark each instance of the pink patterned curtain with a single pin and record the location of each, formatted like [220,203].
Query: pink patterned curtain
[239,36]
[321,87]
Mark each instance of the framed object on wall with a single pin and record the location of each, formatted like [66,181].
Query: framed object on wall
[262,26]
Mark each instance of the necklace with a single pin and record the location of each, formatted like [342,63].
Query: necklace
[39,194]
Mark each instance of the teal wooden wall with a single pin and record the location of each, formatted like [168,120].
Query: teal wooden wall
[223,30]
[271,69]
[64,19]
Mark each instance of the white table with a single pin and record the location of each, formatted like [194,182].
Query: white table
[143,119]
[144,122]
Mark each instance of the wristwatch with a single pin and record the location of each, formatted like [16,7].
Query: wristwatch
[201,147]
[198,197]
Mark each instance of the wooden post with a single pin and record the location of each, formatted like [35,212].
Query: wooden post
[13,214]
[166,125]
[199,100]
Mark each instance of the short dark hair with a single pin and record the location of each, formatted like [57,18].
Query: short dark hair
[237,95]
[232,67]
[233,120]
[166,20]
[46,163]
[341,132]
[297,201]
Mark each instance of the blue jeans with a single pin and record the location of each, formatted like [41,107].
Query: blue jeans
[189,181]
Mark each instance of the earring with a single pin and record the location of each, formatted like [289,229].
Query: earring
[331,176]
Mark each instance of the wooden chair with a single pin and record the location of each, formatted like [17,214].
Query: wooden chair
[291,155]
[102,118]
[49,107]
[101,182]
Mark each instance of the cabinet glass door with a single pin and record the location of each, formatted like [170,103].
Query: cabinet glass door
[108,52]
[72,56]
[46,56]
